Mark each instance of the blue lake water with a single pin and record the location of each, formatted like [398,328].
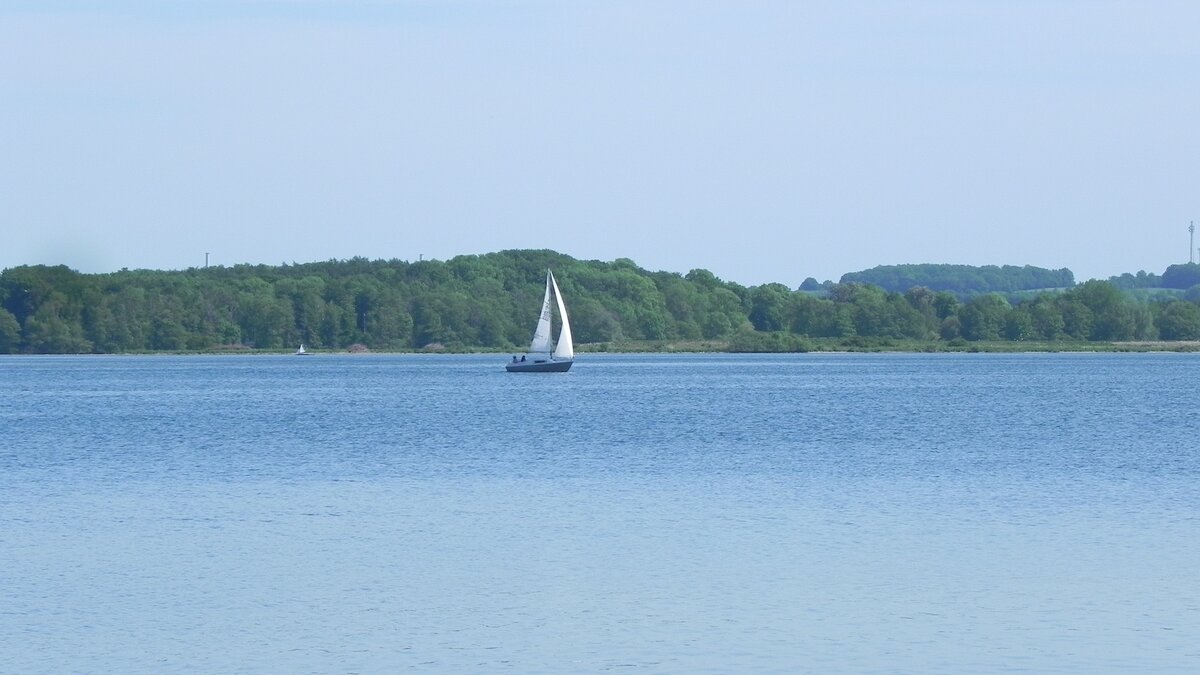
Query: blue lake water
[697,513]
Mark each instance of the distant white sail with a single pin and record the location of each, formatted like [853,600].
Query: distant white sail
[541,334]
[565,348]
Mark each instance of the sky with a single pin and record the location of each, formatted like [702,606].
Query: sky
[763,141]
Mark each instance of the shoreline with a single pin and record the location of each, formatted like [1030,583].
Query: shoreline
[812,346]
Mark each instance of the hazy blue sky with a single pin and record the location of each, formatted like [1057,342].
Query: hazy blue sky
[765,141]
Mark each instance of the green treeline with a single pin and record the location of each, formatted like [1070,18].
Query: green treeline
[962,280]
[490,302]
[1181,276]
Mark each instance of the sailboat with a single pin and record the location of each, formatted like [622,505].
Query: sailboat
[301,352]
[541,358]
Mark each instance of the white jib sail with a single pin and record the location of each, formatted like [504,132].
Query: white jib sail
[566,348]
[541,334]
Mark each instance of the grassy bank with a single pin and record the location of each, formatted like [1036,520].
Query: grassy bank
[856,344]
[794,344]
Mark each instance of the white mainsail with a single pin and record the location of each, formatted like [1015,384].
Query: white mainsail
[565,349]
[541,334]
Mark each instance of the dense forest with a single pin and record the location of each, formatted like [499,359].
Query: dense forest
[489,302]
[962,280]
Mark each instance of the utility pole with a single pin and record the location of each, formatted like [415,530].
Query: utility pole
[1192,243]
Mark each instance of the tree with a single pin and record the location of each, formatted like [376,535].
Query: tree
[308,306]
[48,332]
[820,318]
[1046,318]
[963,280]
[166,333]
[1113,318]
[1018,325]
[868,307]
[984,317]
[769,307]
[266,321]
[1140,280]
[1077,319]
[810,284]
[704,279]
[590,322]
[1143,322]
[903,320]
[684,303]
[945,304]
[1179,320]
[724,314]
[1181,276]
[924,301]
[951,328]
[10,332]
[490,301]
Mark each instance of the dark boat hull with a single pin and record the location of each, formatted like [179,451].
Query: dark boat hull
[539,366]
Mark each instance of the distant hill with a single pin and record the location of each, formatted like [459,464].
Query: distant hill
[962,279]
[1141,280]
